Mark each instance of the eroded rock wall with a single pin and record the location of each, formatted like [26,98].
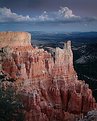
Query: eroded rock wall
[48,85]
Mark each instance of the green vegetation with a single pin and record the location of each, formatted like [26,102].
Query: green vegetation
[11,107]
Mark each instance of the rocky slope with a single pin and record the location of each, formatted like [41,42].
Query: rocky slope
[91,116]
[47,84]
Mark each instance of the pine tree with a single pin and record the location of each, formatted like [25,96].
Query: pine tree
[11,107]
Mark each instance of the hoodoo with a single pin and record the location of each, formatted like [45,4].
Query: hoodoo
[48,85]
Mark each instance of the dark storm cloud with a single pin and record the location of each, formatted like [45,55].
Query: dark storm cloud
[80,7]
[32,4]
[83,7]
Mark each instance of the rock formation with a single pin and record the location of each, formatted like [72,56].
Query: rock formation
[14,39]
[91,116]
[49,87]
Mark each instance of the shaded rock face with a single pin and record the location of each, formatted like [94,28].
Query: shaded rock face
[48,85]
[91,116]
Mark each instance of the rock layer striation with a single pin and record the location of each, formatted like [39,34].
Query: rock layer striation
[48,85]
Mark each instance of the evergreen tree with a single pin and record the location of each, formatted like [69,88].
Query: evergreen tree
[11,107]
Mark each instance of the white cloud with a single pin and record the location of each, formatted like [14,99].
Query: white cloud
[7,15]
[66,13]
[44,16]
[63,15]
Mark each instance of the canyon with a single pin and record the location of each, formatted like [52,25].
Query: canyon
[48,84]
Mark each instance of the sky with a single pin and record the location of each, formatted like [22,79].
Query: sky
[48,15]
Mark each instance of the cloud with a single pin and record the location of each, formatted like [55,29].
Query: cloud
[66,13]
[44,16]
[63,14]
[6,15]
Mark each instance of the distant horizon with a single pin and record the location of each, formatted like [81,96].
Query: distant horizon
[51,31]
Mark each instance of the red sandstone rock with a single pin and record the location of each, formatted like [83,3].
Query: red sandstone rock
[49,88]
[14,39]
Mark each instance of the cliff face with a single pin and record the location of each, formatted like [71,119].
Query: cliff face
[14,39]
[48,85]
